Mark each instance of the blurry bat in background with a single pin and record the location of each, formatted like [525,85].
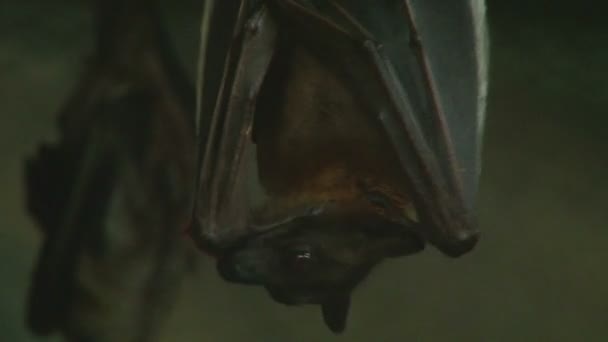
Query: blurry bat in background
[334,134]
[113,195]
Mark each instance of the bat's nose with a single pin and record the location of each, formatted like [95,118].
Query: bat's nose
[460,244]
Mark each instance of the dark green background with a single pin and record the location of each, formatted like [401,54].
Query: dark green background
[539,273]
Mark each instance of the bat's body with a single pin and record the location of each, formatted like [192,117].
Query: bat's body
[336,122]
[306,150]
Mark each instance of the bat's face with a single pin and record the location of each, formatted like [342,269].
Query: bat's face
[320,259]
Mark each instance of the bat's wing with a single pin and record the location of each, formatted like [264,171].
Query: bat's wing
[420,67]
[231,78]
[427,61]
[436,51]
[217,32]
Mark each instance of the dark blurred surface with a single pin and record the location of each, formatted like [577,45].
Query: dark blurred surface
[539,271]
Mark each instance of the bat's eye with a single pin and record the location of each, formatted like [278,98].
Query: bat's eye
[299,258]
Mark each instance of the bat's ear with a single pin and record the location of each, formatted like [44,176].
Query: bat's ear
[335,312]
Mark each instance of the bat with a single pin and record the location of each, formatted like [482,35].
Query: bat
[112,195]
[334,134]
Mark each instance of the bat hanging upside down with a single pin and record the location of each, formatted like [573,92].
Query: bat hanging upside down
[340,133]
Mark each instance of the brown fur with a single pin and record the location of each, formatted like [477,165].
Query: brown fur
[316,142]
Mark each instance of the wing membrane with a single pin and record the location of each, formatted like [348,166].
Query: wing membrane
[228,151]
[431,58]
[419,68]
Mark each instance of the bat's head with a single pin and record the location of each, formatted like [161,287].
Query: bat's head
[319,259]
